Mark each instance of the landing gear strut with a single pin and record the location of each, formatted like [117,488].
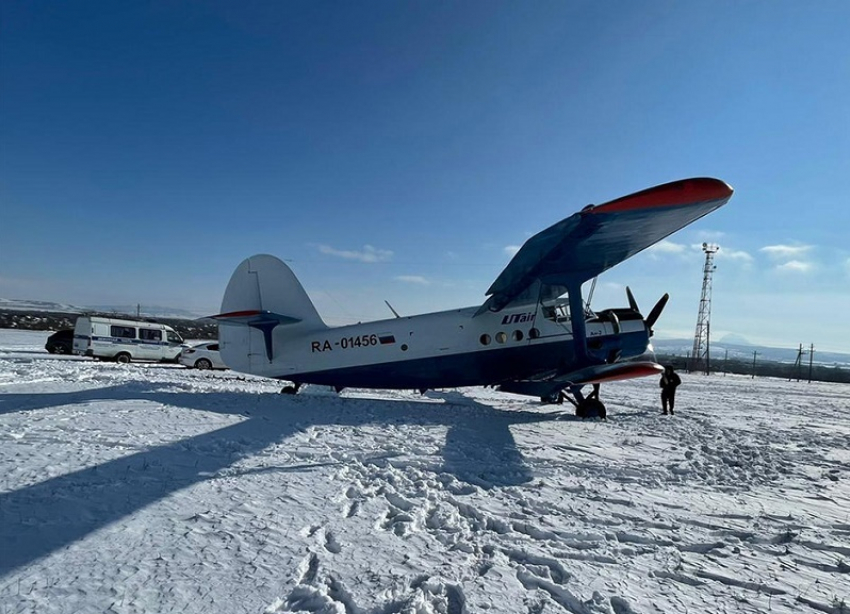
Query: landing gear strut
[586,406]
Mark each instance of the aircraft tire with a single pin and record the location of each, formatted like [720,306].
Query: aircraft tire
[591,408]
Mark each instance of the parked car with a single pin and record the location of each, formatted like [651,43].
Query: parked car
[202,356]
[60,342]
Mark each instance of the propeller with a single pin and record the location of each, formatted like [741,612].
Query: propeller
[632,302]
[653,316]
[656,311]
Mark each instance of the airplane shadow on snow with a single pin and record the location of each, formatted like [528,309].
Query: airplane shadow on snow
[45,517]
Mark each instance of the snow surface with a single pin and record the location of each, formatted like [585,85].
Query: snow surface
[155,488]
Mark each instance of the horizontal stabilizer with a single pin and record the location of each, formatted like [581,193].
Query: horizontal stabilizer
[264,321]
[252,317]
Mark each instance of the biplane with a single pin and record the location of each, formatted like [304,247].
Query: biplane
[533,335]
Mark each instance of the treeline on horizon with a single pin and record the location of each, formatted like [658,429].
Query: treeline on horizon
[39,320]
[764,368]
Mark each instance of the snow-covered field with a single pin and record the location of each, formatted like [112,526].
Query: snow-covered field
[154,488]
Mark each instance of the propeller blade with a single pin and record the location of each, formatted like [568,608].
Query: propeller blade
[656,311]
[632,302]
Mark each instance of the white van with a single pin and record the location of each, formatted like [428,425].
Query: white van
[126,340]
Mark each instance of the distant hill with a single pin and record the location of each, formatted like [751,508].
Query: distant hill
[148,311]
[733,339]
[144,311]
[45,315]
[8,304]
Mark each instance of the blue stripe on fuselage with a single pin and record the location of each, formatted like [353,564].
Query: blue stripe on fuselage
[482,367]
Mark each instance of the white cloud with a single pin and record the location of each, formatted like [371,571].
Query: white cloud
[795,266]
[413,279]
[367,254]
[734,254]
[511,250]
[667,247]
[782,252]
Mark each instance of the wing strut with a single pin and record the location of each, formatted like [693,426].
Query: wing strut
[577,321]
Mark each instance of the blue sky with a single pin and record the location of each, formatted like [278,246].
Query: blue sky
[401,150]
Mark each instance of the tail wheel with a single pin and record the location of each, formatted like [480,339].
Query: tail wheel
[123,358]
[203,363]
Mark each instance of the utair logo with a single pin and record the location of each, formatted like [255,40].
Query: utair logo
[518,318]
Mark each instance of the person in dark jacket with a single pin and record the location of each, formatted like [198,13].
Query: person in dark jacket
[669,381]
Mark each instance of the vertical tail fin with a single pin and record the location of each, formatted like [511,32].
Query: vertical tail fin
[263,295]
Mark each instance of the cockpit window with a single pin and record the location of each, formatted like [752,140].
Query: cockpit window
[556,313]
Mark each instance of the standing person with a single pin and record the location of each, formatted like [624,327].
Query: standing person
[669,381]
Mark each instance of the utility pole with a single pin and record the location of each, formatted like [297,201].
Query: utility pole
[811,360]
[798,364]
[754,364]
[701,335]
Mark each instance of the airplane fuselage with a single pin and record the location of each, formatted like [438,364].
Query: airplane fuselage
[524,338]
[442,349]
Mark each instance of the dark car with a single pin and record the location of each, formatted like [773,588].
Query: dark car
[60,342]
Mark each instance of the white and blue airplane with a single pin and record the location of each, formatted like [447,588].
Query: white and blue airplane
[534,335]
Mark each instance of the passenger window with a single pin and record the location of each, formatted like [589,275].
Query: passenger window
[517,335]
[484,339]
[124,332]
[150,335]
[534,333]
[501,337]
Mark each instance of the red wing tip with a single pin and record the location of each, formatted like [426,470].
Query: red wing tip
[682,192]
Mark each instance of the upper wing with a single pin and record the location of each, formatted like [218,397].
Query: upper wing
[587,243]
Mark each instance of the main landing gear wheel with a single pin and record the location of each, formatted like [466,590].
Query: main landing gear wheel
[586,406]
[591,407]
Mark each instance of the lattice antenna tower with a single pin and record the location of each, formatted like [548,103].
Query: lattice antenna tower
[701,351]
